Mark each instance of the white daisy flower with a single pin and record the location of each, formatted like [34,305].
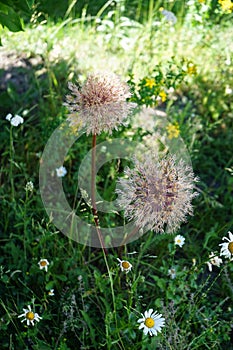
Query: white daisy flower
[43,264]
[172,273]
[179,240]
[151,322]
[51,292]
[30,316]
[214,260]
[16,120]
[124,265]
[61,171]
[227,247]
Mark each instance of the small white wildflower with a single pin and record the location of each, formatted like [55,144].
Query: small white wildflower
[228,90]
[151,322]
[30,316]
[179,240]
[16,120]
[214,260]
[9,116]
[227,247]
[124,265]
[29,186]
[61,172]
[103,149]
[43,264]
[51,292]
[172,273]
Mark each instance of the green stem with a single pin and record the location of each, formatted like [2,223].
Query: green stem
[113,296]
[11,165]
[25,225]
[132,233]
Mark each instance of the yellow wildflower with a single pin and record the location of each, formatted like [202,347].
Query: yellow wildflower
[150,82]
[163,96]
[227,5]
[173,130]
[191,69]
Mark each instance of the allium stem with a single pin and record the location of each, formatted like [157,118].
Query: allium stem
[93,199]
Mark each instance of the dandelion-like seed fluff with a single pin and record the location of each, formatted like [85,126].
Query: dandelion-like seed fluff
[157,194]
[100,104]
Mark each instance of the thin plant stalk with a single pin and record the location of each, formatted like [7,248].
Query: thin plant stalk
[123,243]
[113,297]
[25,225]
[11,165]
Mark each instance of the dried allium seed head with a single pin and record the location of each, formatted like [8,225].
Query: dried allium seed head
[157,193]
[100,104]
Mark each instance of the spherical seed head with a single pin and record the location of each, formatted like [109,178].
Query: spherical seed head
[157,193]
[100,104]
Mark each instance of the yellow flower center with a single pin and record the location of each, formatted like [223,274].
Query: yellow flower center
[125,264]
[43,263]
[149,322]
[178,241]
[230,247]
[30,315]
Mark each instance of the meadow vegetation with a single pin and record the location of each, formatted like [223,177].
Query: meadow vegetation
[180,74]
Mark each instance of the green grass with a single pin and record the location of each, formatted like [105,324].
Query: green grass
[95,305]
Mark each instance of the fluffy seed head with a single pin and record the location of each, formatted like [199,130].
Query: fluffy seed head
[157,193]
[100,104]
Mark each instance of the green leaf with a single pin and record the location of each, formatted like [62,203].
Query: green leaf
[88,321]
[61,277]
[17,5]
[49,285]
[22,5]
[11,20]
